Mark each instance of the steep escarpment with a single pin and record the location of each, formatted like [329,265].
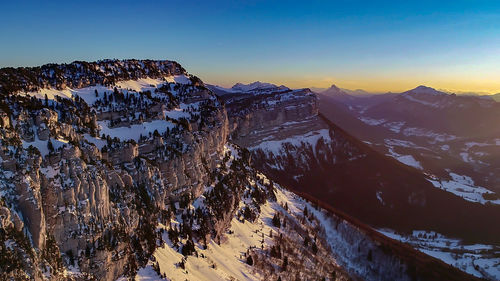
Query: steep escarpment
[89,170]
[323,161]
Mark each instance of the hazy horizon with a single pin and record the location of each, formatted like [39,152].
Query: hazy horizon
[358,89]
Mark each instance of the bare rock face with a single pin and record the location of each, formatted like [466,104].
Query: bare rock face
[46,116]
[5,219]
[4,119]
[30,204]
[255,118]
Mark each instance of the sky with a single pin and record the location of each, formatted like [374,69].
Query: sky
[378,46]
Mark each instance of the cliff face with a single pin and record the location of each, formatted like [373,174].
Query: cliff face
[284,132]
[83,181]
[255,118]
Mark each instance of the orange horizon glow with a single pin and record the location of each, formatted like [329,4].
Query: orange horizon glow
[379,86]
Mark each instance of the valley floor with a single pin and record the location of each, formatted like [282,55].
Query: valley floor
[479,260]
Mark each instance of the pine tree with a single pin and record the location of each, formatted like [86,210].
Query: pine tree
[314,248]
[276,220]
[50,146]
[249,260]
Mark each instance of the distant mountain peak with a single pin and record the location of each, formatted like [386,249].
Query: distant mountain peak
[334,87]
[256,86]
[425,90]
[334,90]
[253,86]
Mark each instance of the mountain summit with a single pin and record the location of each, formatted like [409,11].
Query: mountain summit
[256,86]
[425,90]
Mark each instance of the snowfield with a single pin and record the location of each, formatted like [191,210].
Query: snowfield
[371,121]
[436,137]
[311,138]
[477,259]
[463,186]
[217,262]
[88,93]
[181,111]
[408,160]
[42,145]
[133,132]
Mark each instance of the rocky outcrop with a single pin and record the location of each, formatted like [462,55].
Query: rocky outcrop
[254,118]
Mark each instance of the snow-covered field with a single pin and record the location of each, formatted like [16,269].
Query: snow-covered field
[478,259]
[88,93]
[371,121]
[181,111]
[464,187]
[420,132]
[311,138]
[408,160]
[42,145]
[135,131]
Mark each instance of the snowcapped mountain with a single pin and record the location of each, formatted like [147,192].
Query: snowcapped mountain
[254,88]
[424,90]
[135,170]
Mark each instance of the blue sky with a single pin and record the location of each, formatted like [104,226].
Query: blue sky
[375,45]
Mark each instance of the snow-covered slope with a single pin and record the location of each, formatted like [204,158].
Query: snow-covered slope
[290,238]
[477,259]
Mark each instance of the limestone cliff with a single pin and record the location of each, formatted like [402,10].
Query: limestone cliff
[76,173]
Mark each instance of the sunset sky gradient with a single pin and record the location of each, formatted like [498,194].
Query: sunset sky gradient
[374,45]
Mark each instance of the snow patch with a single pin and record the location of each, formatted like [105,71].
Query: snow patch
[371,121]
[475,259]
[133,132]
[463,186]
[311,138]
